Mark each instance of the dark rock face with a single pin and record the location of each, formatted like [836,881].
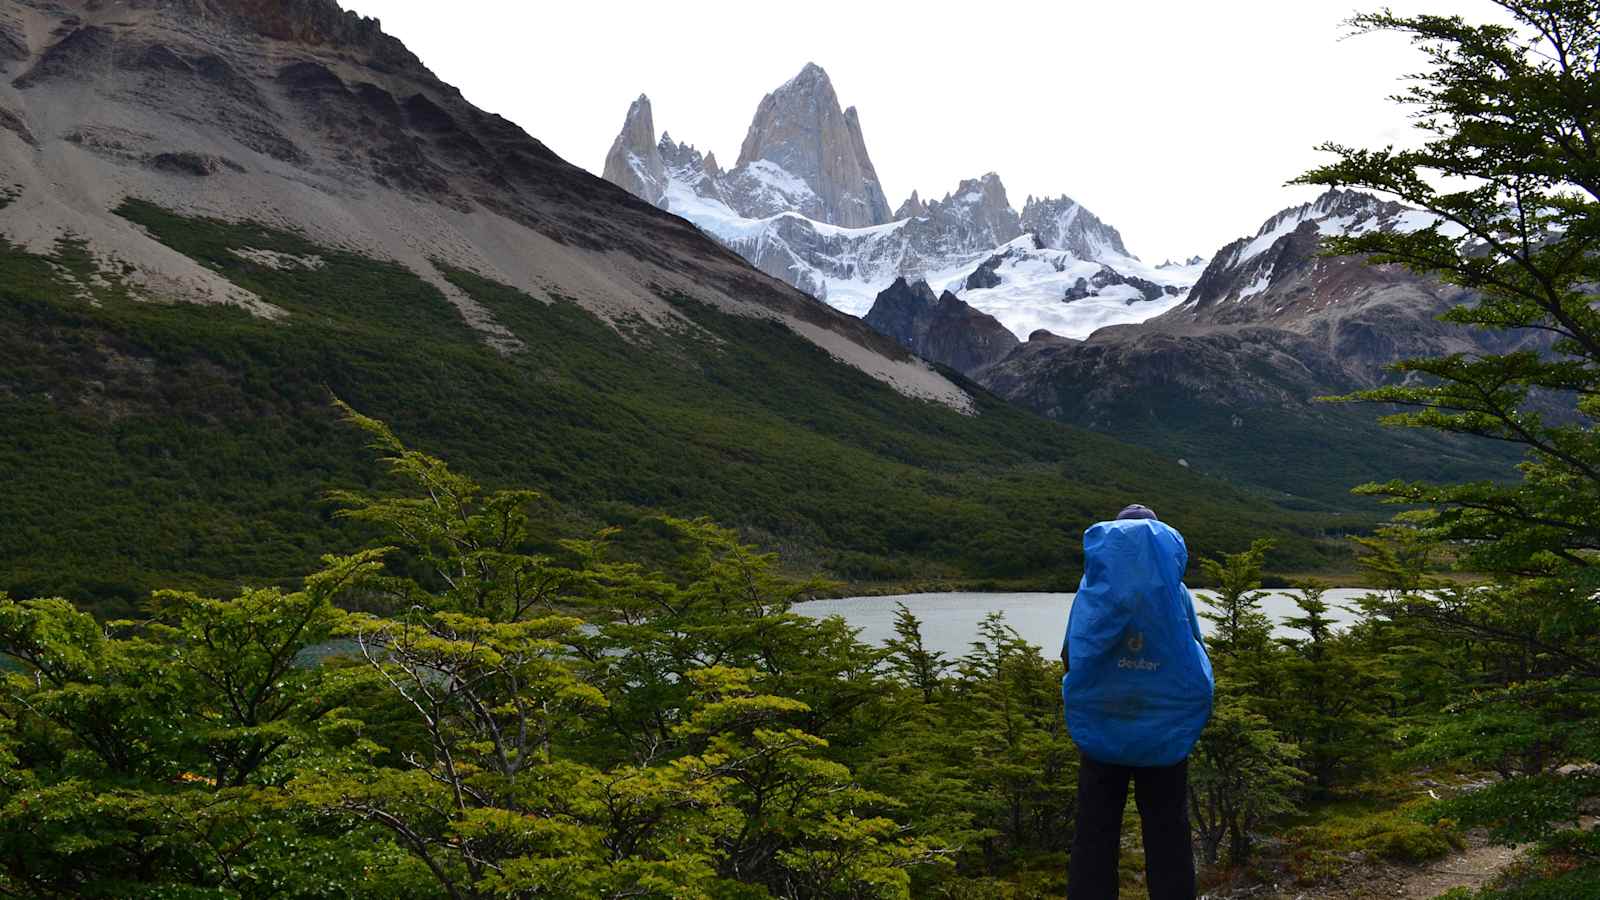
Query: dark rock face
[942,329]
[188,162]
[1043,336]
[986,275]
[315,23]
[1107,276]
[13,123]
[13,40]
[83,52]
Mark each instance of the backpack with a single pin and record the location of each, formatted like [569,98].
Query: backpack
[1138,688]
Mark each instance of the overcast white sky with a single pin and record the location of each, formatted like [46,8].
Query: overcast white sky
[1176,122]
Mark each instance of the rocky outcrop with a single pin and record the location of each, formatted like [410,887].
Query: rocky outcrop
[1062,224]
[13,39]
[313,23]
[83,53]
[634,162]
[13,123]
[1091,286]
[800,133]
[977,214]
[188,162]
[912,208]
[1284,245]
[942,329]
[1239,365]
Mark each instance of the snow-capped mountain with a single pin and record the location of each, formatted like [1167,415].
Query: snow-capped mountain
[1251,265]
[1029,285]
[1236,364]
[1061,223]
[804,205]
[802,154]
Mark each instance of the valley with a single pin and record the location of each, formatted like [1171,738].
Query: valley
[177,332]
[392,509]
[1217,361]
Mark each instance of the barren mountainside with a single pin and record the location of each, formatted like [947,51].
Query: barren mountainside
[303,116]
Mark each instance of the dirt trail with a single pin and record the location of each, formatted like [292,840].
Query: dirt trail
[1470,868]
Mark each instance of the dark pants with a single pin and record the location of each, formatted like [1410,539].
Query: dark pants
[1162,795]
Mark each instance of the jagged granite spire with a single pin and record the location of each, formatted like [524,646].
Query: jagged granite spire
[980,211]
[634,161]
[912,208]
[799,133]
[1062,224]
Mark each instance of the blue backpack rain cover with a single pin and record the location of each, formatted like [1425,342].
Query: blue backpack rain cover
[1138,685]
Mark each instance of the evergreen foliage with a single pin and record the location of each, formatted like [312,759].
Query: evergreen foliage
[1501,674]
[461,714]
[171,445]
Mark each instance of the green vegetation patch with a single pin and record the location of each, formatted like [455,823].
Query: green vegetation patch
[161,444]
[1324,849]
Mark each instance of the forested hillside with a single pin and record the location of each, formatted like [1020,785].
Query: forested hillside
[159,444]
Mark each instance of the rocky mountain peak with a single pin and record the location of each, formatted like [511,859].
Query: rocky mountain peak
[1063,224]
[912,208]
[1287,242]
[979,208]
[310,22]
[945,329]
[635,160]
[801,134]
[811,79]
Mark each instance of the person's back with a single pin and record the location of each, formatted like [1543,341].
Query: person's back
[1136,694]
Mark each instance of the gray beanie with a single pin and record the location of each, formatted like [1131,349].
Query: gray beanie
[1136,511]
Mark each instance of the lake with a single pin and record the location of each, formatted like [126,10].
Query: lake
[950,620]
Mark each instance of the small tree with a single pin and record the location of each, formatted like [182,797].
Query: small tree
[1335,691]
[909,659]
[1241,627]
[1240,774]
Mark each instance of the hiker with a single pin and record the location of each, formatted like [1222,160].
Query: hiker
[1137,692]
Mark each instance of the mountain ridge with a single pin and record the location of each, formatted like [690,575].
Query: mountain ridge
[771,217]
[1238,362]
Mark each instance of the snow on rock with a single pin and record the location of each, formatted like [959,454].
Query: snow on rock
[1250,266]
[819,223]
[1029,287]
[1062,224]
